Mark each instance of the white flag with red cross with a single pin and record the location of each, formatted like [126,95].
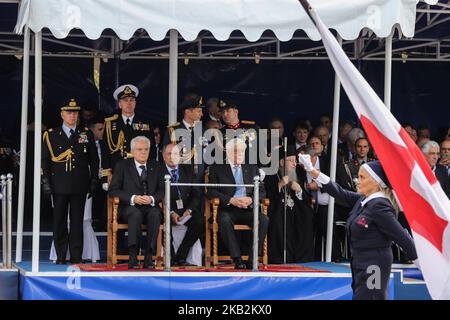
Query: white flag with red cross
[424,203]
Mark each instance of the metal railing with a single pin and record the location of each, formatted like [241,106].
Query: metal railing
[6,198]
[168,183]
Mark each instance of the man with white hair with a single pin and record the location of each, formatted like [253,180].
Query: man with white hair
[236,203]
[140,187]
[431,152]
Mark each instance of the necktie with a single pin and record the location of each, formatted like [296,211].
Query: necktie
[174,174]
[71,132]
[237,173]
[143,173]
[128,122]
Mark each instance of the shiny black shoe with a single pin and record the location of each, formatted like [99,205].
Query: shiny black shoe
[148,263]
[133,263]
[60,261]
[239,264]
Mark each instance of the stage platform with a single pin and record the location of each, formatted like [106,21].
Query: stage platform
[314,281]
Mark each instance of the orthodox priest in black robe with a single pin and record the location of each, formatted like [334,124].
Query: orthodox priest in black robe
[299,215]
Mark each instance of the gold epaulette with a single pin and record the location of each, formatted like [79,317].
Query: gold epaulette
[171,131]
[114,117]
[247,122]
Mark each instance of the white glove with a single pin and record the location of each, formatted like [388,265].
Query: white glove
[417,264]
[105,186]
[262,174]
[305,160]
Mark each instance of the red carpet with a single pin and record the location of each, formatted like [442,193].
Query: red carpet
[221,268]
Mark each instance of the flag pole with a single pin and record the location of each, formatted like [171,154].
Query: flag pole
[308,9]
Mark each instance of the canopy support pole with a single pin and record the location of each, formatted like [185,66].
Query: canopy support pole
[334,140]
[37,149]
[23,143]
[173,76]
[388,72]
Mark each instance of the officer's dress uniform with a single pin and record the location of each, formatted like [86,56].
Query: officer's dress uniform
[192,144]
[371,228]
[120,130]
[190,149]
[70,167]
[118,135]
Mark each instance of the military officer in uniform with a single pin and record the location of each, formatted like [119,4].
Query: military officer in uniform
[348,171]
[122,127]
[69,173]
[243,129]
[188,134]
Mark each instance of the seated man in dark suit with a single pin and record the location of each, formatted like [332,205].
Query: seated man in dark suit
[184,201]
[139,185]
[236,204]
[431,151]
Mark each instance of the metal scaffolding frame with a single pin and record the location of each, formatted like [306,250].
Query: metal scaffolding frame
[366,47]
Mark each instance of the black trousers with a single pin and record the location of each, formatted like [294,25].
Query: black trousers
[321,226]
[74,205]
[194,229]
[228,217]
[135,216]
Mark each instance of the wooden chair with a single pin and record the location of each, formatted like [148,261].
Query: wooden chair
[114,226]
[211,209]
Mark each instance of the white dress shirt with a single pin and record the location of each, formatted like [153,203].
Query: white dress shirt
[188,125]
[323,198]
[125,119]
[67,129]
